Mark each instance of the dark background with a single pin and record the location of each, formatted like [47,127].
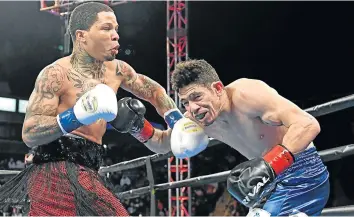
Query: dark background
[304,50]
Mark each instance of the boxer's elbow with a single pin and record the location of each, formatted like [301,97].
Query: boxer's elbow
[29,144]
[25,138]
[313,128]
[29,133]
[25,134]
[301,133]
[316,127]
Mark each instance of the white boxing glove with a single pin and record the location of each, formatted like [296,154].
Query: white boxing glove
[98,103]
[258,212]
[188,138]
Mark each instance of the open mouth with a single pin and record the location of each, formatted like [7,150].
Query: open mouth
[116,47]
[200,116]
[115,50]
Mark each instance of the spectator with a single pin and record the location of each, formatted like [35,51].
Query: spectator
[125,181]
[12,164]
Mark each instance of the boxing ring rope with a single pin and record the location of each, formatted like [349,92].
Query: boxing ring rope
[318,110]
[9,172]
[338,211]
[141,161]
[326,156]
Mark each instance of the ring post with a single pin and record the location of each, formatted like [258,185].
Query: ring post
[150,177]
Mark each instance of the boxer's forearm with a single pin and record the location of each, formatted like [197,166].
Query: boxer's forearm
[145,88]
[162,102]
[160,141]
[40,129]
[300,135]
[154,93]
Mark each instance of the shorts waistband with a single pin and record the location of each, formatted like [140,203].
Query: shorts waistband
[66,148]
[310,146]
[309,160]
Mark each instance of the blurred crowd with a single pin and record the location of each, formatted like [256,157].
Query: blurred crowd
[207,200]
[15,162]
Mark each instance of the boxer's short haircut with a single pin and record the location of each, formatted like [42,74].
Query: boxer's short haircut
[85,15]
[193,72]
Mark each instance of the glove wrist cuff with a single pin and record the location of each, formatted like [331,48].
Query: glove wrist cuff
[146,132]
[68,121]
[172,116]
[279,158]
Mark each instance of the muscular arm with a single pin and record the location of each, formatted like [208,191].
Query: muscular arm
[257,99]
[149,90]
[40,125]
[145,88]
[160,141]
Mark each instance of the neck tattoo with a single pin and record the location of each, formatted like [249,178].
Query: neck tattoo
[86,65]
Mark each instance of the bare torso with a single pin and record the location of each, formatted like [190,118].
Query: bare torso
[248,135]
[76,85]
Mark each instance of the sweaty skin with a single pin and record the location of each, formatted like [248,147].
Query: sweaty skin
[61,84]
[248,115]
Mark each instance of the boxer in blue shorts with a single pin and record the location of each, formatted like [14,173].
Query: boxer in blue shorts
[284,174]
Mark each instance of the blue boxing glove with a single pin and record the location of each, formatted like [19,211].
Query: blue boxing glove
[98,103]
[187,138]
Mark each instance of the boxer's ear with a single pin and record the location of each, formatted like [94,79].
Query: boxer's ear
[81,36]
[218,87]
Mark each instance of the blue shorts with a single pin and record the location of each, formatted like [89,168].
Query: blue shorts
[304,187]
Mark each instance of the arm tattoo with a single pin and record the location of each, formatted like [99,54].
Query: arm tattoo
[49,83]
[40,121]
[166,102]
[42,127]
[145,88]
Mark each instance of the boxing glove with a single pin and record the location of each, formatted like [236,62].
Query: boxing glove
[258,212]
[248,180]
[188,139]
[98,103]
[130,119]
[172,116]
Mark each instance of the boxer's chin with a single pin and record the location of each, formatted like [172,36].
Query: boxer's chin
[208,120]
[208,123]
[109,58]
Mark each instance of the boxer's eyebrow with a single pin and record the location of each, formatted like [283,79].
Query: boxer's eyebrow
[110,25]
[183,100]
[193,95]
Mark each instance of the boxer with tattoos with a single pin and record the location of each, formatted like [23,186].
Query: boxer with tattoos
[72,104]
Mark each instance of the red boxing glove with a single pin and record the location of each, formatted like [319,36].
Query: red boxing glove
[279,158]
[145,133]
[248,180]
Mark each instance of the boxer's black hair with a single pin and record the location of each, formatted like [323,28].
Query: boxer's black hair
[193,72]
[85,15]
